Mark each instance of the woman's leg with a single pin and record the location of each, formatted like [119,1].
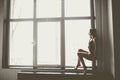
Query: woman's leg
[79,60]
[87,56]
[81,50]
[78,63]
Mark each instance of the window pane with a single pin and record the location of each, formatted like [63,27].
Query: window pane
[76,37]
[48,8]
[49,43]
[21,47]
[21,9]
[74,8]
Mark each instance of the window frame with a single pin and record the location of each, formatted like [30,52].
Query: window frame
[7,20]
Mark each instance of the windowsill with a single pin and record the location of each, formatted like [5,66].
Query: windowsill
[44,67]
[69,70]
[62,76]
[56,73]
[54,76]
[53,70]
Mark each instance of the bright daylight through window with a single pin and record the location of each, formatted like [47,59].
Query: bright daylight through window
[48,32]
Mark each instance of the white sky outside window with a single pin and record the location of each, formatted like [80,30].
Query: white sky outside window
[21,47]
[48,8]
[76,37]
[75,8]
[49,43]
[48,33]
[21,9]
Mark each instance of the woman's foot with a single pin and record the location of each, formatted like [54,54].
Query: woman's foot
[85,71]
[77,67]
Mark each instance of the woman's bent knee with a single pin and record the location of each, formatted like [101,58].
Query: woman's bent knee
[78,54]
[79,50]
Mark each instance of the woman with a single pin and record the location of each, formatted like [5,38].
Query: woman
[87,54]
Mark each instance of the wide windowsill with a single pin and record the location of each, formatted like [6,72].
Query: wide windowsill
[56,73]
[53,76]
[57,70]
[68,70]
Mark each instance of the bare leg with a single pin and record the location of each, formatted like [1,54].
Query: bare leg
[87,56]
[81,50]
[79,60]
[83,63]
[78,63]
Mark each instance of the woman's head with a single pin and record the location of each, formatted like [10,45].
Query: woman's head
[93,32]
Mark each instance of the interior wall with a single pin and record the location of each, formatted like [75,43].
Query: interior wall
[111,40]
[5,74]
[116,32]
[105,37]
[110,26]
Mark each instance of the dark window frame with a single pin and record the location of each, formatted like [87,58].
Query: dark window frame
[7,20]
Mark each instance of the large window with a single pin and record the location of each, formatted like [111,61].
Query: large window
[47,32]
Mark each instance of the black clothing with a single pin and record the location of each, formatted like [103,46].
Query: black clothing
[91,50]
[91,46]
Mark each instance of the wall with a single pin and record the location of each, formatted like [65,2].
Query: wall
[110,24]
[105,37]
[116,32]
[105,46]
[5,74]
[111,40]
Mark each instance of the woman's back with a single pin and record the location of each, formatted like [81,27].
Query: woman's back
[91,46]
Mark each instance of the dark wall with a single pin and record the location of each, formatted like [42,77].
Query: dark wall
[105,37]
[116,31]
[5,74]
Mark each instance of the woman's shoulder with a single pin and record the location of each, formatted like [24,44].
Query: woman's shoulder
[94,41]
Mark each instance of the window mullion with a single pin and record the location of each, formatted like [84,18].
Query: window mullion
[92,13]
[34,38]
[62,35]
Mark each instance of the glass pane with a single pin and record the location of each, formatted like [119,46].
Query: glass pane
[74,8]
[76,37]
[48,8]
[21,9]
[21,47]
[49,43]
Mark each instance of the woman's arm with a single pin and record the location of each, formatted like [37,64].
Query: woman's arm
[94,45]
[94,41]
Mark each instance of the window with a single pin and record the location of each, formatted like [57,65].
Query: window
[47,32]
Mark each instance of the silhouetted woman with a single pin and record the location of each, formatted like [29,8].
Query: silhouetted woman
[87,54]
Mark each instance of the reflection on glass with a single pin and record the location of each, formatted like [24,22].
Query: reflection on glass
[21,47]
[75,8]
[21,9]
[48,8]
[49,43]
[76,37]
